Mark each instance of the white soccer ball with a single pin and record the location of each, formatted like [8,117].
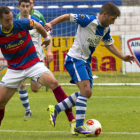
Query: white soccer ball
[94,126]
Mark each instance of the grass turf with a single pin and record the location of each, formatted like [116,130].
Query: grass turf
[116,107]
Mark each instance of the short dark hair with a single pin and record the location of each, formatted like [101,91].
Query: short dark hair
[26,1]
[4,10]
[33,1]
[111,9]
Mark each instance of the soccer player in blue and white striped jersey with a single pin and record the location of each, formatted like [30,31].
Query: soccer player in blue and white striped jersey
[91,29]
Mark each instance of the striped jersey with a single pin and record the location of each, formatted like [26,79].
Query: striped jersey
[89,33]
[36,38]
[17,46]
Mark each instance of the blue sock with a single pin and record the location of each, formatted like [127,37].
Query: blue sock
[67,103]
[81,105]
[23,94]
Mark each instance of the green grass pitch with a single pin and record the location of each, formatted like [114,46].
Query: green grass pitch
[116,107]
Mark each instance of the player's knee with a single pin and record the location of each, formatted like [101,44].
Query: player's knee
[87,92]
[35,90]
[54,84]
[23,86]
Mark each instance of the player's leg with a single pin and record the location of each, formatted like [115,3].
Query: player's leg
[44,77]
[23,94]
[81,75]
[35,86]
[49,80]
[62,106]
[47,88]
[81,105]
[8,86]
[80,100]
[5,95]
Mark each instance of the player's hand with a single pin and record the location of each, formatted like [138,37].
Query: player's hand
[49,57]
[45,44]
[129,58]
[48,27]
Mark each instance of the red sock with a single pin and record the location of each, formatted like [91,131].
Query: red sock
[60,96]
[2,111]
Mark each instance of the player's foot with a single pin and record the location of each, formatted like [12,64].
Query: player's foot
[82,130]
[28,114]
[72,126]
[52,114]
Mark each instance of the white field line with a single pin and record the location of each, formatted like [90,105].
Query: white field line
[106,97]
[102,84]
[24,131]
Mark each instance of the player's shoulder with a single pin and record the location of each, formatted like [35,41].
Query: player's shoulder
[23,20]
[92,17]
[36,19]
[85,16]
[20,23]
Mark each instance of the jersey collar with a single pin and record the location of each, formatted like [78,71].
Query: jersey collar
[7,31]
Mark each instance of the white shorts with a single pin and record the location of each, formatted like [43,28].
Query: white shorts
[14,78]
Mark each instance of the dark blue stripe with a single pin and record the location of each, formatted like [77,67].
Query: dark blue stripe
[71,100]
[80,104]
[77,94]
[25,60]
[22,91]
[80,112]
[24,98]
[65,105]
[57,108]
[26,105]
[85,100]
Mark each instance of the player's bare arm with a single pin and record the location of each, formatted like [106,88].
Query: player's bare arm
[43,32]
[49,55]
[113,49]
[62,18]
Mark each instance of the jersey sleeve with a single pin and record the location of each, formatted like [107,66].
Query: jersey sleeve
[37,20]
[81,19]
[41,23]
[107,39]
[25,24]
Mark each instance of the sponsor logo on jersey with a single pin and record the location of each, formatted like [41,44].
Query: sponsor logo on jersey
[82,16]
[9,46]
[134,47]
[93,40]
[19,35]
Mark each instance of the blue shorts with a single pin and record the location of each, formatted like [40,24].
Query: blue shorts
[78,70]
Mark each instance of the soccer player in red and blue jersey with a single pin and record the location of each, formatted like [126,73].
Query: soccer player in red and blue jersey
[19,51]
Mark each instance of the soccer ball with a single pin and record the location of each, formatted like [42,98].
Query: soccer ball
[94,126]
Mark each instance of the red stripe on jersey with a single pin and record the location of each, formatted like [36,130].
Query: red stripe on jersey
[13,37]
[20,58]
[27,65]
[20,47]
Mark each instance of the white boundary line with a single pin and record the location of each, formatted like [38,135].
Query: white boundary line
[25,131]
[102,84]
[110,97]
